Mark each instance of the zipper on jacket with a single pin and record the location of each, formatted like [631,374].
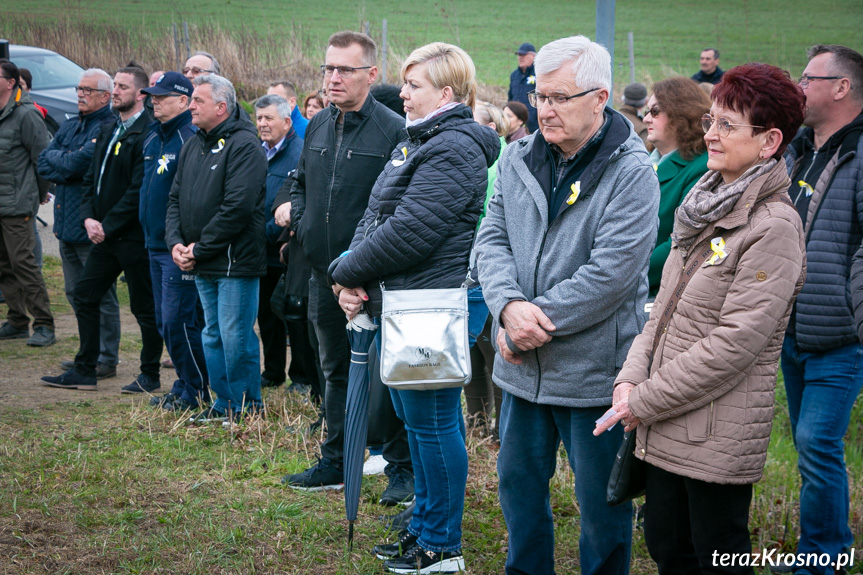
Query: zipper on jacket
[535,289]
[366,154]
[710,422]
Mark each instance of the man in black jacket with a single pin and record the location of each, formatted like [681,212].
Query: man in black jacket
[346,147]
[822,348]
[109,211]
[215,229]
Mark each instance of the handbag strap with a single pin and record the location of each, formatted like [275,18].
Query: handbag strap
[695,261]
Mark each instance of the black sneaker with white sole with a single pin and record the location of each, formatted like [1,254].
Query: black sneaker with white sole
[400,489]
[323,476]
[208,415]
[397,548]
[422,561]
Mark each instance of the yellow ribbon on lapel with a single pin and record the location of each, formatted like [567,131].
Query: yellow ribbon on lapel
[576,191]
[163,165]
[220,147]
[398,163]
[717,245]
[807,187]
[117,149]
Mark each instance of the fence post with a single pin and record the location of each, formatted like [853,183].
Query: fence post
[366,27]
[631,59]
[605,28]
[384,53]
[186,39]
[176,46]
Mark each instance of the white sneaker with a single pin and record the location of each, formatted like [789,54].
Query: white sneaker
[374,465]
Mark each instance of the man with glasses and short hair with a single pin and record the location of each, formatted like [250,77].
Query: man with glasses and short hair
[346,148]
[563,256]
[710,71]
[822,348]
[109,213]
[178,312]
[201,63]
[64,162]
[23,136]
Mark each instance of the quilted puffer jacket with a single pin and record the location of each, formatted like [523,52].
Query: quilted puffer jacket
[706,403]
[419,226]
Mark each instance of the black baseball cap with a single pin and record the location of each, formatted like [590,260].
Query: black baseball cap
[170,83]
[525,48]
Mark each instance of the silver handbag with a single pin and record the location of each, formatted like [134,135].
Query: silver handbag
[424,339]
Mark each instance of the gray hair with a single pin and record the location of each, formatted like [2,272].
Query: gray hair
[215,63]
[104,81]
[223,90]
[283,107]
[591,62]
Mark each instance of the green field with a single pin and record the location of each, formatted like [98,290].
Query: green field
[668,34]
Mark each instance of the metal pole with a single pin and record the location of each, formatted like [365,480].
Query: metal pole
[366,27]
[384,53]
[631,59]
[605,29]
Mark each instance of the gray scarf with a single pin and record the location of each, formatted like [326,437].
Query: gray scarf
[710,200]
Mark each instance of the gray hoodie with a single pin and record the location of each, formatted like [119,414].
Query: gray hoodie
[587,270]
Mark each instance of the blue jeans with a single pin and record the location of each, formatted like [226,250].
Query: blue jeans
[530,434]
[434,426]
[231,347]
[821,389]
[179,320]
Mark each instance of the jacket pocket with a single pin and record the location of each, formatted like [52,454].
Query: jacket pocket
[365,154]
[699,424]
[320,151]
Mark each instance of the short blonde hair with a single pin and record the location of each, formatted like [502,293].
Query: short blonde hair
[487,113]
[448,65]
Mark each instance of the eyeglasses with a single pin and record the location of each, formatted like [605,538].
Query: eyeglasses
[344,71]
[723,126]
[654,111]
[160,97]
[197,71]
[538,100]
[804,79]
[84,90]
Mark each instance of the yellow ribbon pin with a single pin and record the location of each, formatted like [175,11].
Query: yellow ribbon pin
[576,190]
[717,245]
[219,148]
[398,163]
[163,165]
[117,149]
[807,187]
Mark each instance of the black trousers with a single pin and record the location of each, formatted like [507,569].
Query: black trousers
[689,523]
[273,330]
[329,323]
[106,262]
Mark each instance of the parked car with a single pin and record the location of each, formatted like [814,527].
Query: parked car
[54,81]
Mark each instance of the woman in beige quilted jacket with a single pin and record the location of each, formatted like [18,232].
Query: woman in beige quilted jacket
[700,393]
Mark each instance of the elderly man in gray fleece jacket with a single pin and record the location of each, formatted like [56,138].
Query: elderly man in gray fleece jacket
[562,256]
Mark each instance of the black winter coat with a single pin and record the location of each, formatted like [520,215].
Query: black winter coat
[116,204]
[419,227]
[217,200]
[330,189]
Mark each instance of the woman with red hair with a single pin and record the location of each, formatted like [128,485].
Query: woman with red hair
[698,383]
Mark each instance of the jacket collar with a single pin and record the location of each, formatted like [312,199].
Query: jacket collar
[174,124]
[17,98]
[137,126]
[98,116]
[424,131]
[232,124]
[356,117]
[670,166]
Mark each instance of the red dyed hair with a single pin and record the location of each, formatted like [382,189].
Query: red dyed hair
[766,95]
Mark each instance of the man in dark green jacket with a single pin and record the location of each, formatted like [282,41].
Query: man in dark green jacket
[23,136]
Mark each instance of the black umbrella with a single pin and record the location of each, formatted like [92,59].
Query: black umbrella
[361,333]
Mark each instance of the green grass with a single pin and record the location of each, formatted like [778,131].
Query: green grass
[668,34]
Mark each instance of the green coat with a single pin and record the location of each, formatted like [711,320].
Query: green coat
[23,136]
[676,178]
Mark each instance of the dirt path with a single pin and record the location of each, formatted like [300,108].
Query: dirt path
[22,367]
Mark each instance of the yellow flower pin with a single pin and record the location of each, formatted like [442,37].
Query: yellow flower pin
[807,187]
[163,165]
[576,190]
[398,163]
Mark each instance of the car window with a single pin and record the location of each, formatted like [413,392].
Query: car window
[50,71]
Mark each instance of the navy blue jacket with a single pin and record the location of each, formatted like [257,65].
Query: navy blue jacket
[279,167]
[64,162]
[520,83]
[829,310]
[419,227]
[161,152]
